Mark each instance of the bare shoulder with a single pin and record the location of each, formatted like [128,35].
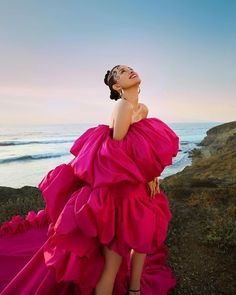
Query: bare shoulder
[123,112]
[123,104]
[145,109]
[122,119]
[121,107]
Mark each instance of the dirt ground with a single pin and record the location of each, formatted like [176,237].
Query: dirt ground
[201,265]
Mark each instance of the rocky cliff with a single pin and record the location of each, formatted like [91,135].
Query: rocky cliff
[213,161]
[202,233]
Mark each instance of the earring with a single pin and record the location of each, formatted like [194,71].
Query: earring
[121,93]
[138,90]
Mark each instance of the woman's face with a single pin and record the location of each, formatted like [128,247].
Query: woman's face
[125,77]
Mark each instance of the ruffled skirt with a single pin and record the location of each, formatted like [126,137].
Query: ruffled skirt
[122,217]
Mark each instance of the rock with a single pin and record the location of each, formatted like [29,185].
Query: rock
[202,232]
[214,164]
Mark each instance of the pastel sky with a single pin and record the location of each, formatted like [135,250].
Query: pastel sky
[54,55]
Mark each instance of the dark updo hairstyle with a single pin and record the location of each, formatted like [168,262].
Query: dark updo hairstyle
[114,94]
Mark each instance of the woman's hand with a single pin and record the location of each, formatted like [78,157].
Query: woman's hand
[154,187]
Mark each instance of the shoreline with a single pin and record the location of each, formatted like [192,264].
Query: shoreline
[26,165]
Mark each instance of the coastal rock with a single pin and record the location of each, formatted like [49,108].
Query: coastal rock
[202,233]
[213,162]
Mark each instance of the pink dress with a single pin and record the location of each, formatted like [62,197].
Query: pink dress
[99,198]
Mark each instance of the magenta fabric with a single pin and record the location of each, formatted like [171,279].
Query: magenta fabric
[99,198]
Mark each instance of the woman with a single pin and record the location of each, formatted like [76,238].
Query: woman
[105,218]
[124,83]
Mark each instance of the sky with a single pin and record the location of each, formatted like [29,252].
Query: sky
[54,56]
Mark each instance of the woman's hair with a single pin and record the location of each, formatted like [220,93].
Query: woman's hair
[109,80]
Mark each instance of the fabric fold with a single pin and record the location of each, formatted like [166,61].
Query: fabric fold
[100,198]
[18,224]
[148,147]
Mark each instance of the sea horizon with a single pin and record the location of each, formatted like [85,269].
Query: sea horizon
[29,152]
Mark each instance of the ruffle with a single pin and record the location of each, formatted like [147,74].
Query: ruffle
[101,161]
[122,218]
[148,147]
[157,277]
[18,224]
[56,187]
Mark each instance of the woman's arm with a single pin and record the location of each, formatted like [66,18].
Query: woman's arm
[122,120]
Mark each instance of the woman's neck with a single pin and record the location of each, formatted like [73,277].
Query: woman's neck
[131,95]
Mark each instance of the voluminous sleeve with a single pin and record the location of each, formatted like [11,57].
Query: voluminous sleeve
[148,147]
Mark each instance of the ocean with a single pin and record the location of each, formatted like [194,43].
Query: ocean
[28,153]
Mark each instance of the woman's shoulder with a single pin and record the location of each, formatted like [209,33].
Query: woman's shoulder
[141,111]
[122,103]
[144,109]
[120,107]
[126,103]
